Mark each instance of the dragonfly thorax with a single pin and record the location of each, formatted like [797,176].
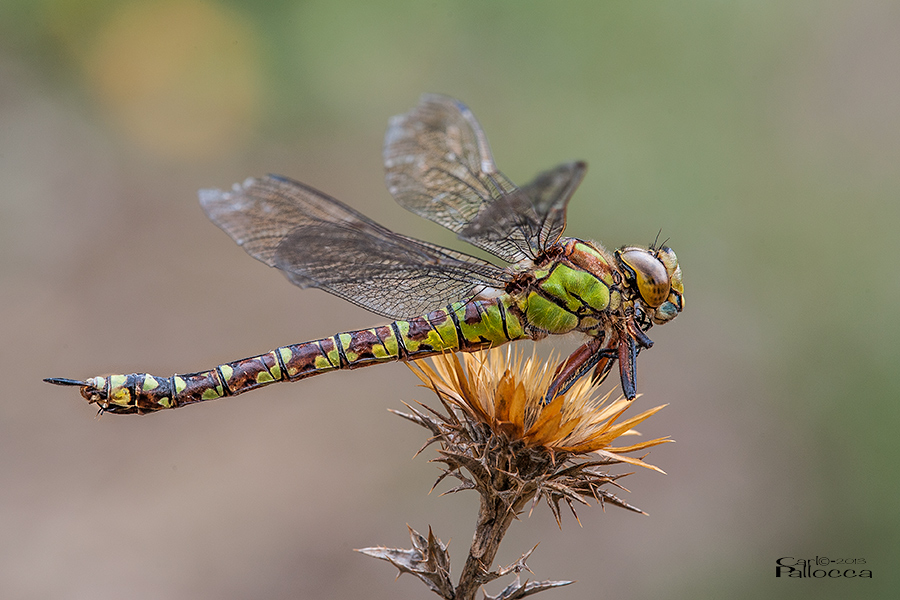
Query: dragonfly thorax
[572,289]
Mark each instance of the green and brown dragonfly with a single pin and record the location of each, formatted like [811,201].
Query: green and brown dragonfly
[439,166]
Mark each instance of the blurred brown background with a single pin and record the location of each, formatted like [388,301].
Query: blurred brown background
[763,139]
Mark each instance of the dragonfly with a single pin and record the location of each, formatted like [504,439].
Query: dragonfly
[438,165]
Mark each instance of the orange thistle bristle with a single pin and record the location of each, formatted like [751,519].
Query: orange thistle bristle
[506,392]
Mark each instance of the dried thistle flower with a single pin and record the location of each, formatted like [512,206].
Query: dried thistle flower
[497,437]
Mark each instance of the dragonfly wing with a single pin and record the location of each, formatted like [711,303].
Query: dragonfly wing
[537,209]
[439,165]
[317,241]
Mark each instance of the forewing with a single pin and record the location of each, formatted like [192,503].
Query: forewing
[320,242]
[439,165]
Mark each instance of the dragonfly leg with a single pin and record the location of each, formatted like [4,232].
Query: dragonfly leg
[628,351]
[639,336]
[604,366]
[629,347]
[599,356]
[581,361]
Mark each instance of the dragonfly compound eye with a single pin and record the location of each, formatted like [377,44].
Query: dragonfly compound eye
[674,304]
[647,273]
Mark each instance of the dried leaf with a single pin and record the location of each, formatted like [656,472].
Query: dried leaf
[518,590]
[427,559]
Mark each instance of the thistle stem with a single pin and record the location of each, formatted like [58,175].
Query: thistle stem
[494,518]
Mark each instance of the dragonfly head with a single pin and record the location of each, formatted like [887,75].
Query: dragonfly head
[652,281]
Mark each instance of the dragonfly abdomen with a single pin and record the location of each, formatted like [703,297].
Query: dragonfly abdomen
[468,327]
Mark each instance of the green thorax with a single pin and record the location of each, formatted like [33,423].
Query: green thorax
[572,289]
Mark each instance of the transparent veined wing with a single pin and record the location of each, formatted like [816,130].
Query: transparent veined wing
[439,165]
[542,214]
[317,241]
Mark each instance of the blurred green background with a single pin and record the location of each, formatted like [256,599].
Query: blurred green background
[762,137]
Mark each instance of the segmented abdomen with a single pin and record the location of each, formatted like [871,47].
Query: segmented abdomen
[468,327]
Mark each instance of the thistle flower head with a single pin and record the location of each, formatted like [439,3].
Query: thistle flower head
[506,392]
[498,428]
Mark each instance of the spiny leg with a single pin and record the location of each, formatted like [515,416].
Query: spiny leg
[600,356]
[630,345]
[588,355]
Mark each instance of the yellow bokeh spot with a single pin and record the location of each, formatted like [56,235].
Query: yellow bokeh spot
[179,77]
